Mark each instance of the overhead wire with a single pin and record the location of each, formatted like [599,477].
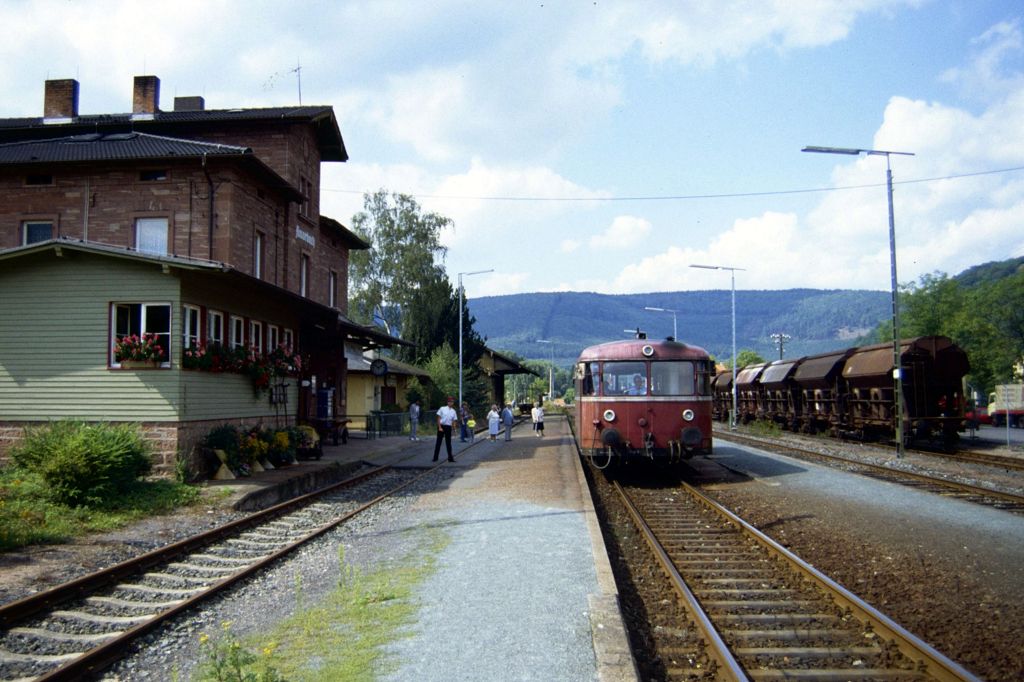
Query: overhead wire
[689,197]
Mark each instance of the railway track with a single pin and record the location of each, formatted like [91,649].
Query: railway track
[761,613]
[973,457]
[941,486]
[77,629]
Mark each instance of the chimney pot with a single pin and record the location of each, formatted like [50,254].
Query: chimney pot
[146,95]
[60,99]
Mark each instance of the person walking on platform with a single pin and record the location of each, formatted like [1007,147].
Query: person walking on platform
[507,419]
[445,417]
[414,420]
[493,423]
[537,413]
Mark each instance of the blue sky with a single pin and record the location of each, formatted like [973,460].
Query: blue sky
[570,141]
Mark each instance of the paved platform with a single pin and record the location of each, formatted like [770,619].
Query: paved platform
[527,571]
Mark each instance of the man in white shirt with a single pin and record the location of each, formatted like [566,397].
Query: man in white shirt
[446,416]
[537,414]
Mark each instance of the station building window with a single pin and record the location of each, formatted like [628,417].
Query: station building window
[33,231]
[137,319]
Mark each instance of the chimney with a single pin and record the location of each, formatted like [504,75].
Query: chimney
[146,95]
[189,103]
[61,99]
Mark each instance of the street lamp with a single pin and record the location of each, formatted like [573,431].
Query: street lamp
[551,369]
[732,277]
[897,368]
[675,330]
[780,340]
[475,272]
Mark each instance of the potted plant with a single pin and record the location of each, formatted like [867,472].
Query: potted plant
[134,351]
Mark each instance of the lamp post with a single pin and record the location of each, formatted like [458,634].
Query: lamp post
[675,330]
[780,341]
[897,368]
[551,369]
[475,272]
[732,278]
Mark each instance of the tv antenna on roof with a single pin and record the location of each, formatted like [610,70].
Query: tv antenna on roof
[269,83]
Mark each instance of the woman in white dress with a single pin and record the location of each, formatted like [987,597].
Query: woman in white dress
[493,422]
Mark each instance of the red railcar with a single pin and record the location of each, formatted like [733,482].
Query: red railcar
[643,399]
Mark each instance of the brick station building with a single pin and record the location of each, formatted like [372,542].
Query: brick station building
[200,226]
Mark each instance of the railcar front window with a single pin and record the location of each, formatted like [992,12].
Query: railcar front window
[625,378]
[674,377]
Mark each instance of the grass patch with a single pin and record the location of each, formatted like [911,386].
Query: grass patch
[28,516]
[342,636]
[764,428]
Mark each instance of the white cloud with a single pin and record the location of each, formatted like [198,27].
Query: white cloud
[703,33]
[496,284]
[986,73]
[943,224]
[569,245]
[625,232]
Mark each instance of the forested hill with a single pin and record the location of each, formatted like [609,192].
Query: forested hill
[816,320]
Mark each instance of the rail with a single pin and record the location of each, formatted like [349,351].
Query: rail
[943,486]
[764,612]
[160,584]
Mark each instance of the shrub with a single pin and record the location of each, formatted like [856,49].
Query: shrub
[85,464]
[226,438]
[281,450]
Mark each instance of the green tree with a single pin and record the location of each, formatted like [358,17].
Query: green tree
[985,317]
[405,256]
[992,330]
[933,307]
[442,366]
[747,357]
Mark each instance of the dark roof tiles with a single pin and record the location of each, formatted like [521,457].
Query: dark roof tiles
[112,147]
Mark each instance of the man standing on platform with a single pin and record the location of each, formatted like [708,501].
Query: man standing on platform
[507,420]
[446,416]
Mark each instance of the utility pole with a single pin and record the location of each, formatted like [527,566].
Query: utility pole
[780,340]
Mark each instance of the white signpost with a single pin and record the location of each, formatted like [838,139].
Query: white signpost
[1006,397]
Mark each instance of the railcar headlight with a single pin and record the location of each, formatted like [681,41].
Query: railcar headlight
[609,415]
[688,415]
[647,350]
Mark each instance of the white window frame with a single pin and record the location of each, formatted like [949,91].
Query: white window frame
[256,335]
[116,332]
[273,337]
[149,229]
[215,327]
[237,331]
[191,333]
[332,289]
[288,339]
[24,230]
